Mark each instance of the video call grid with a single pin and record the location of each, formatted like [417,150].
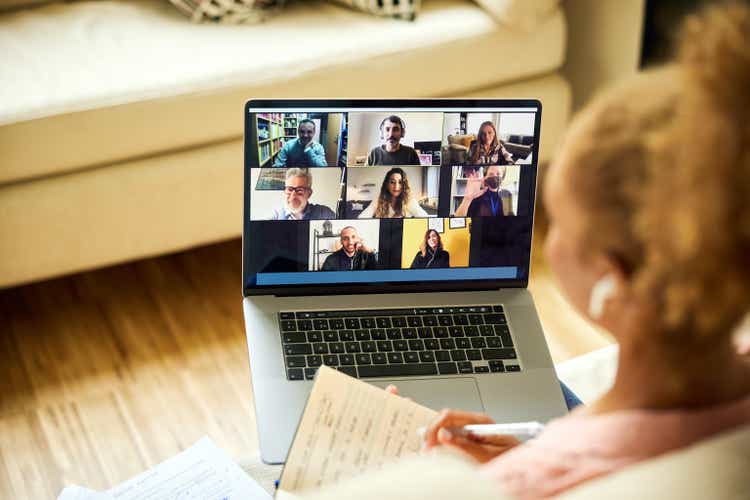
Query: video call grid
[447,172]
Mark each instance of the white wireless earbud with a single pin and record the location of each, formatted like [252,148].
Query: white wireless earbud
[600,293]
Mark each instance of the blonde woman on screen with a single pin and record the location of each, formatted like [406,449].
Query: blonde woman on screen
[488,149]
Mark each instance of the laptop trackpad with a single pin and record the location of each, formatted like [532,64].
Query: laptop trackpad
[457,393]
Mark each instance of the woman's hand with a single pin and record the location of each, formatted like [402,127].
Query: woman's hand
[474,187]
[506,154]
[443,431]
[480,448]
[394,390]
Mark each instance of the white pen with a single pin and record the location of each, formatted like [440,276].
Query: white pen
[520,430]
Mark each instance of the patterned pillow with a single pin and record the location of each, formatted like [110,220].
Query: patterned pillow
[399,9]
[228,11]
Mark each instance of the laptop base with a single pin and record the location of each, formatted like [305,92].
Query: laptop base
[531,394]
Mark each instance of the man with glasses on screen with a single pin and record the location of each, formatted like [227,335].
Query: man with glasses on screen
[302,151]
[297,192]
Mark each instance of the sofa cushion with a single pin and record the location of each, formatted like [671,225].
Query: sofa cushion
[104,81]
[523,14]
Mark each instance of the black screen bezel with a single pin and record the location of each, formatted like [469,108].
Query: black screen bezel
[445,105]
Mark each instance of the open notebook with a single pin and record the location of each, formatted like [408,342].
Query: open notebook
[348,427]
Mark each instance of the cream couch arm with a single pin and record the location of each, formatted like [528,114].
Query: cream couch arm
[591,374]
[604,43]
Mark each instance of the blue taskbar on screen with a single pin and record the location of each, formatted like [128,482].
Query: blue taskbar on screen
[330,277]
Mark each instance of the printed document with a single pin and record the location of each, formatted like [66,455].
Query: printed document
[201,472]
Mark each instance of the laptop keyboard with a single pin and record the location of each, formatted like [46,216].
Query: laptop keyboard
[398,342]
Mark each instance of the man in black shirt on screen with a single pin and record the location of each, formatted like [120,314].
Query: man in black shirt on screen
[353,254]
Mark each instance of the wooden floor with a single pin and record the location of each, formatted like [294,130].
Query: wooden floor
[106,373]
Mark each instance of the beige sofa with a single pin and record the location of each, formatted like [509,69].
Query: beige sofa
[121,122]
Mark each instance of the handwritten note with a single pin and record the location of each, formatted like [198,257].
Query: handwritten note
[349,426]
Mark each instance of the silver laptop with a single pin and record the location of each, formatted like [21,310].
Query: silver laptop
[391,239]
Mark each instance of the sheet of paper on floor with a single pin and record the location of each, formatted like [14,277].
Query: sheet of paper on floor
[75,492]
[201,472]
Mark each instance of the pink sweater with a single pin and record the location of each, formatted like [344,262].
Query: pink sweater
[579,447]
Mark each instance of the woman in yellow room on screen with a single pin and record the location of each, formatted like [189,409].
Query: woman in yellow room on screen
[431,254]
[454,242]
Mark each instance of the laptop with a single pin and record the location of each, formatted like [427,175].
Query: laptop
[391,240]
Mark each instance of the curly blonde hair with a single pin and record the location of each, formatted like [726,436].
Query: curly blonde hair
[661,166]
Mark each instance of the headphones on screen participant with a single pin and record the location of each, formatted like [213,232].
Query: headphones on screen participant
[393,119]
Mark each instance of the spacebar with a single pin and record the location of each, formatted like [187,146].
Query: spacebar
[397,370]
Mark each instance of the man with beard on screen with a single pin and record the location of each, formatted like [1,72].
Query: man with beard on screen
[392,152]
[302,151]
[353,254]
[297,193]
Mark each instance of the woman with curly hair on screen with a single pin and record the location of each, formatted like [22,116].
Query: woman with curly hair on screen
[395,200]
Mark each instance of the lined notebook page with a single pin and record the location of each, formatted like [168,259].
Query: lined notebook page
[349,426]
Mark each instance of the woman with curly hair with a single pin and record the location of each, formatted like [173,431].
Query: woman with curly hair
[431,254]
[649,237]
[395,199]
[488,149]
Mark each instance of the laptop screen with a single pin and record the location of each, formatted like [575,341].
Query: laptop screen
[388,195]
